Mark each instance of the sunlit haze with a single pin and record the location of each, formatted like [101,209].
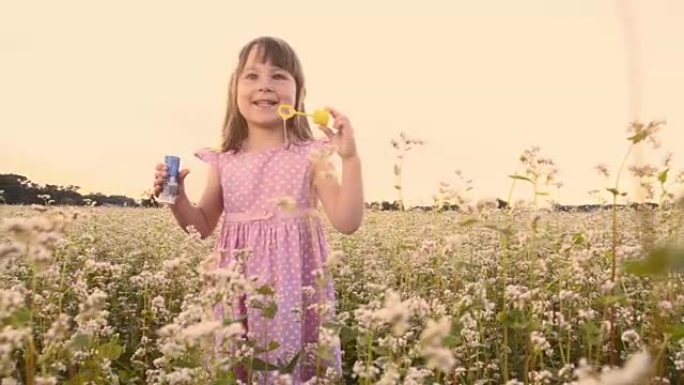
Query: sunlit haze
[94,94]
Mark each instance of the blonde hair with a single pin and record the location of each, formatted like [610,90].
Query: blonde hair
[278,53]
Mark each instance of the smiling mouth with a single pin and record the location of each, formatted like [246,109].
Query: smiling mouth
[265,103]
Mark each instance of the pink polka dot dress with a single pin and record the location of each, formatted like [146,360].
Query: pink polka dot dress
[288,245]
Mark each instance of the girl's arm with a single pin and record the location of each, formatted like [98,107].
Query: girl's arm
[343,203]
[205,215]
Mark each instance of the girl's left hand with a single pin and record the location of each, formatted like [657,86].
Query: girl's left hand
[343,139]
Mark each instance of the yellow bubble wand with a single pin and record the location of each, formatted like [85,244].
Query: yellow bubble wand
[320,116]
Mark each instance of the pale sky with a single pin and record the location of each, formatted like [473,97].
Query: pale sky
[94,93]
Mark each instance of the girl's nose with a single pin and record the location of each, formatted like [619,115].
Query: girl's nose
[265,86]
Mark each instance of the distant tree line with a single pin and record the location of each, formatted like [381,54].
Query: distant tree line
[19,190]
[397,206]
[502,204]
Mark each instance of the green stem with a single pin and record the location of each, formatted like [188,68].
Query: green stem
[526,372]
[560,335]
[504,308]
[613,274]
[29,358]
[369,357]
[399,183]
[504,269]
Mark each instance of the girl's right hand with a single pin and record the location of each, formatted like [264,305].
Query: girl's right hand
[160,177]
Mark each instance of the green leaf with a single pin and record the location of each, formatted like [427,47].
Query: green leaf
[347,335]
[225,378]
[639,136]
[20,317]
[517,320]
[502,230]
[289,368]
[126,376]
[262,366]
[84,375]
[578,239]
[397,187]
[229,321]
[273,345]
[676,331]
[520,177]
[658,262]
[591,331]
[80,341]
[187,361]
[613,191]
[611,299]
[111,350]
[332,325]
[325,354]
[380,350]
[265,290]
[270,310]
[662,177]
[452,341]
[543,193]
[469,222]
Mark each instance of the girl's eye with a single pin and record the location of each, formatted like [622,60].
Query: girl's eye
[279,76]
[250,76]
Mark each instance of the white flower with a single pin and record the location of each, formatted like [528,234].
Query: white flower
[235,329]
[541,377]
[630,336]
[665,307]
[334,258]
[430,340]
[360,370]
[416,376]
[518,295]
[59,329]
[607,287]
[197,331]
[568,295]
[182,376]
[93,304]
[453,242]
[283,379]
[637,367]
[439,358]
[566,371]
[391,376]
[40,380]
[587,314]
[309,291]
[327,337]
[436,331]
[539,342]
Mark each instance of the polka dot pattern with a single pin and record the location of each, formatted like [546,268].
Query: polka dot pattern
[285,250]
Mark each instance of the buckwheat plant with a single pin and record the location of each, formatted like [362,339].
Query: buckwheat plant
[402,146]
[521,294]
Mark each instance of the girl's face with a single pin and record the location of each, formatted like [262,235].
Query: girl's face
[261,87]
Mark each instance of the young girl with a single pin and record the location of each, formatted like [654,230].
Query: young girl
[266,183]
